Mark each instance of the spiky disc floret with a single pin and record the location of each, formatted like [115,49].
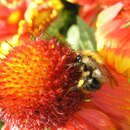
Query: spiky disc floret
[34,80]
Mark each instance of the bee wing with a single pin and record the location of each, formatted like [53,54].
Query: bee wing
[108,75]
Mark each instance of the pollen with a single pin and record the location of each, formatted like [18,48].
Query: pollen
[5,48]
[56,4]
[14,17]
[81,82]
[38,16]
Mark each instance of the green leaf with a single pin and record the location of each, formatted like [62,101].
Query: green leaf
[73,37]
[1,124]
[66,17]
[58,27]
[61,24]
[86,35]
[81,36]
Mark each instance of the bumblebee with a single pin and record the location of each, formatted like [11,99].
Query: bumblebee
[93,72]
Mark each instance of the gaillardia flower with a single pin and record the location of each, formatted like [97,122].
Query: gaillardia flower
[34,80]
[114,101]
[89,12]
[113,38]
[38,15]
[126,3]
[90,8]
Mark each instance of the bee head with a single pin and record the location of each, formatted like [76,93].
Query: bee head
[78,58]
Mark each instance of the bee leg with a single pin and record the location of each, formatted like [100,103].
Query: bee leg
[74,65]
[87,100]
[71,89]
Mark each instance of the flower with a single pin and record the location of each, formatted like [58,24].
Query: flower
[88,10]
[11,14]
[85,2]
[114,100]
[126,3]
[20,17]
[109,109]
[35,77]
[39,15]
[104,3]
[113,39]
[24,19]
[126,6]
[34,80]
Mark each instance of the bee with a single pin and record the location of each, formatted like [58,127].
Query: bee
[93,72]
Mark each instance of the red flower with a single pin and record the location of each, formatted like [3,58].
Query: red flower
[89,13]
[89,10]
[34,80]
[112,2]
[85,2]
[114,101]
[104,3]
[35,77]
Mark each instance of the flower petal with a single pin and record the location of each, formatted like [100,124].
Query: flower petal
[109,14]
[97,119]
[9,19]
[115,100]
[113,44]
[113,41]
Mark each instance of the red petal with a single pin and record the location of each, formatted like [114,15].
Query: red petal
[8,22]
[97,119]
[115,101]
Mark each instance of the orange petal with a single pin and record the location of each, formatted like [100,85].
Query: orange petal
[113,43]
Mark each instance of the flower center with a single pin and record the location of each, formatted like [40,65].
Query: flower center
[34,79]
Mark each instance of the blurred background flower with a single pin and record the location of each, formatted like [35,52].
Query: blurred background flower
[88,10]
[27,16]
[10,15]
[39,14]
